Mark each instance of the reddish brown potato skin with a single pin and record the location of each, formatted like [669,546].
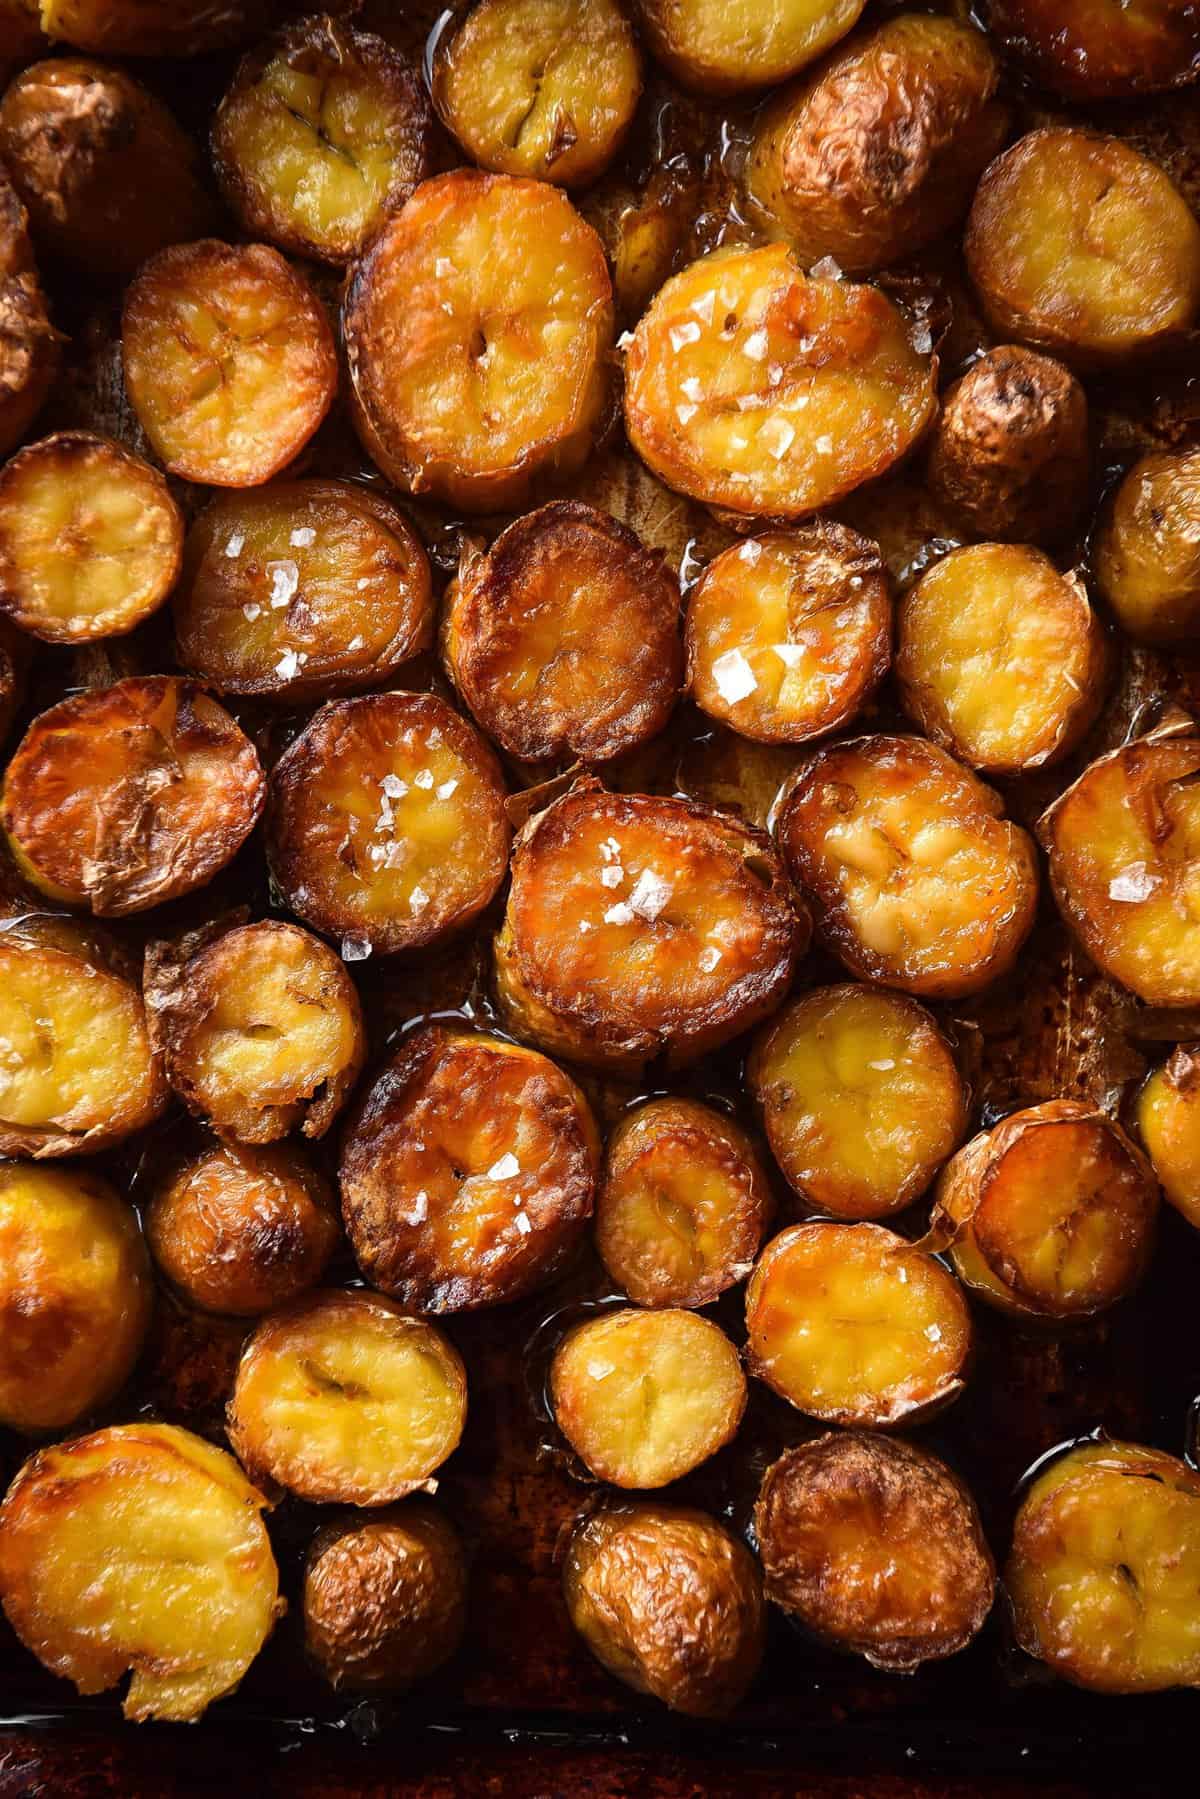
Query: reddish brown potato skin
[1100,49]
[29,344]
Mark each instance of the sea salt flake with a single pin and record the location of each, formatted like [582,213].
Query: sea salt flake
[625,339]
[285,579]
[235,545]
[1137,882]
[682,335]
[418,899]
[709,958]
[394,787]
[922,340]
[704,306]
[934,1332]
[584,927]
[789,653]
[251,610]
[824,446]
[598,1370]
[751,551]
[755,345]
[610,849]
[423,778]
[691,388]
[288,665]
[619,914]
[612,876]
[523,1224]
[356,643]
[418,1212]
[650,895]
[882,1066]
[779,436]
[505,1168]
[734,677]
[443,267]
[685,414]
[303,537]
[775,374]
[828,269]
[355,949]
[446,789]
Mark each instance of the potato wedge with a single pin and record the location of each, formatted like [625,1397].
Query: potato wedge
[725,46]
[30,348]
[1147,554]
[1168,1122]
[150,28]
[1100,49]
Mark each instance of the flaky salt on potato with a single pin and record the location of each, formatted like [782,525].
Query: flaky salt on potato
[876,1547]
[30,348]
[150,28]
[563,636]
[1104,1569]
[343,1399]
[1100,49]
[468,1171]
[760,390]
[669,1601]
[139,1549]
[1147,555]
[916,879]
[120,798]
[789,633]
[1168,1122]
[1050,1213]
[725,46]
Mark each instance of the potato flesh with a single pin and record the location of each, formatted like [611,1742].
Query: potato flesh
[723,46]
[1168,1117]
[752,387]
[1148,554]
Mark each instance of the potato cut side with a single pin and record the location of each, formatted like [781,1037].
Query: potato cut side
[1148,552]
[752,387]
[150,28]
[229,361]
[1168,1121]
[140,1549]
[1100,49]
[645,1397]
[789,633]
[30,348]
[342,1398]
[725,46]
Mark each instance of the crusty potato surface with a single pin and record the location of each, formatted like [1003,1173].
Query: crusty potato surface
[1148,549]
[1168,1122]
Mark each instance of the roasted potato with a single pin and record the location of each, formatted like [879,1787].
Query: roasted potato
[78,1070]
[1080,245]
[29,345]
[1050,1213]
[669,1601]
[325,130]
[341,1398]
[684,1204]
[916,879]
[15,657]
[1100,49]
[563,637]
[21,34]
[877,154]
[75,1295]
[643,1397]
[1010,448]
[789,633]
[139,1549]
[121,798]
[468,1171]
[241,1230]
[1124,850]
[754,388]
[861,1099]
[106,174]
[387,824]
[876,1547]
[1168,1121]
[1147,555]
[478,328]
[90,539]
[1104,1569]
[546,88]
[229,360]
[640,927]
[1000,659]
[152,27]
[724,46]
[385,1598]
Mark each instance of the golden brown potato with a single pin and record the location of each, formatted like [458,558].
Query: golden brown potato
[385,1598]
[152,27]
[229,360]
[669,1601]
[1010,448]
[752,387]
[325,130]
[141,1549]
[861,1098]
[916,879]
[29,344]
[1168,1120]
[90,539]
[640,927]
[876,1547]
[241,1230]
[643,1397]
[75,1295]
[877,154]
[1100,49]
[789,633]
[78,1070]
[468,1171]
[121,798]
[1000,659]
[563,637]
[724,46]
[478,329]
[546,88]
[1050,1213]
[684,1204]
[1104,1569]
[107,175]
[341,1398]
[1124,850]
[1148,552]
[1080,245]
[387,824]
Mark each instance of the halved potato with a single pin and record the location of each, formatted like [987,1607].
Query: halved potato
[1148,550]
[150,27]
[29,345]
[723,46]
[1168,1121]
[1100,49]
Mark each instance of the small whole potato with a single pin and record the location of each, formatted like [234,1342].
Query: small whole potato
[726,46]
[29,344]
[1148,553]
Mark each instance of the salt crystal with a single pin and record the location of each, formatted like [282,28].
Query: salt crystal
[423,778]
[685,414]
[394,787]
[751,551]
[1137,882]
[610,849]
[682,335]
[418,899]
[356,643]
[446,789]
[303,537]
[779,437]
[505,1168]
[650,895]
[363,581]
[625,339]
[418,1212]
[523,1224]
[882,1066]
[355,949]
[934,1332]
[775,374]
[789,653]
[619,914]
[824,446]
[288,665]
[755,346]
[584,927]
[828,269]
[443,267]
[612,876]
[703,307]
[251,610]
[598,1370]
[235,545]
[709,958]
[734,677]
[285,579]
[922,340]
[691,388]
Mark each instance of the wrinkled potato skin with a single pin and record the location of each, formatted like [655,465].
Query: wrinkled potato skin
[1100,49]
[877,154]
[1168,1122]
[150,27]
[726,46]
[1147,557]
[669,1602]
[30,348]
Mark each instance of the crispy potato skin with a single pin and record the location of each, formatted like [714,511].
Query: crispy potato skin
[468,1171]
[106,174]
[727,46]
[637,985]
[119,799]
[877,154]
[30,350]
[139,1548]
[563,636]
[148,28]
[1168,1122]
[1104,1567]
[669,1601]
[385,1598]
[1100,49]
[876,1547]
[1148,552]
[1010,449]
[75,1295]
